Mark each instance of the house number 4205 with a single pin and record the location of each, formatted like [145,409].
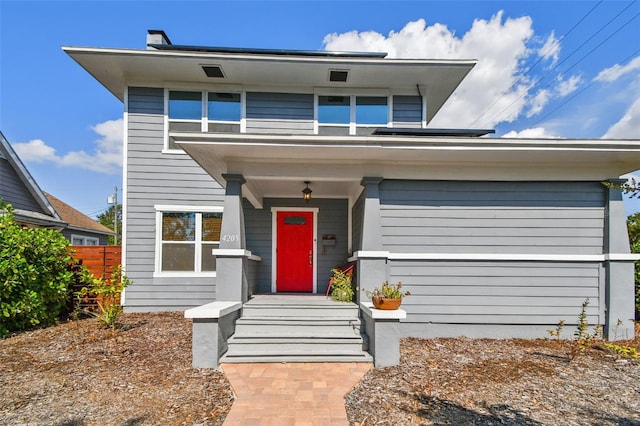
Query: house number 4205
[231,238]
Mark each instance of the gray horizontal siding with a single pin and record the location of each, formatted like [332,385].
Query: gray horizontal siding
[542,293]
[492,217]
[288,113]
[290,127]
[14,191]
[291,106]
[157,178]
[407,111]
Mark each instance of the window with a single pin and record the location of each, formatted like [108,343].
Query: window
[224,112]
[349,115]
[185,105]
[221,112]
[187,239]
[81,240]
[334,109]
[371,110]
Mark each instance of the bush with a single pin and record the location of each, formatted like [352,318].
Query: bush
[341,288]
[34,274]
[107,294]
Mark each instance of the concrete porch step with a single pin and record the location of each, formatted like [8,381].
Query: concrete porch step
[297,328]
[298,311]
[268,346]
[359,357]
[298,333]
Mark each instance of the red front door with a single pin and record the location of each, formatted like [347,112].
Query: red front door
[294,252]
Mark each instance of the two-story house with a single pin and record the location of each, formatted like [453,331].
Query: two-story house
[256,171]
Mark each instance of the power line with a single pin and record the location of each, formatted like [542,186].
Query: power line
[587,54]
[583,89]
[542,56]
[495,116]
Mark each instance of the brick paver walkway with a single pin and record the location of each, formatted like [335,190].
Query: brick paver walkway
[291,393]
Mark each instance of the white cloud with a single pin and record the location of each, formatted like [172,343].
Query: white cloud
[551,49]
[35,151]
[566,87]
[532,133]
[500,46]
[615,72]
[628,127]
[538,102]
[105,158]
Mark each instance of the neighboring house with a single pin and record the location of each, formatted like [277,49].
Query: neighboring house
[18,188]
[81,230]
[493,237]
[35,208]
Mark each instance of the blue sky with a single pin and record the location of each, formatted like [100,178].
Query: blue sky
[566,69]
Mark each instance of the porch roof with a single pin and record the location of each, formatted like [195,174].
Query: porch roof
[277,165]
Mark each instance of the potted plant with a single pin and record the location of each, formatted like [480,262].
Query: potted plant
[388,296]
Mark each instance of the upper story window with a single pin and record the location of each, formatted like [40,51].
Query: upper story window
[334,109]
[350,115]
[221,112]
[185,106]
[224,111]
[372,110]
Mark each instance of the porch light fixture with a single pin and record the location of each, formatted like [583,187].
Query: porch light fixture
[306,193]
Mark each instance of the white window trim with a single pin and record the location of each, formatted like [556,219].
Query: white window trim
[169,208]
[84,240]
[274,240]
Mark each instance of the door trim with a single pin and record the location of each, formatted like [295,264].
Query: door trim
[274,240]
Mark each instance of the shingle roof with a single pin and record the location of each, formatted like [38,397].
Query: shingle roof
[75,218]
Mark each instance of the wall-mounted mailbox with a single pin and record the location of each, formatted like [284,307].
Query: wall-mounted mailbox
[329,239]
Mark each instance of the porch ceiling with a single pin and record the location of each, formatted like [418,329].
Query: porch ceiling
[277,165]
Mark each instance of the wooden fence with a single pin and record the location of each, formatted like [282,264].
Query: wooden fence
[99,260]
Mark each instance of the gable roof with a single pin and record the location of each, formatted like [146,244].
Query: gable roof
[75,219]
[41,212]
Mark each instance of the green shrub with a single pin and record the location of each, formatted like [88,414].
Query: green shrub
[107,294]
[34,274]
[341,288]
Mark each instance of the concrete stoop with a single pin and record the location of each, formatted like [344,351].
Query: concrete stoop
[297,328]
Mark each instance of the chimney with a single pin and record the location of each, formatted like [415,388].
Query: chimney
[156,37]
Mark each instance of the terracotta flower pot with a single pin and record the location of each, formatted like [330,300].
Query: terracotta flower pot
[386,304]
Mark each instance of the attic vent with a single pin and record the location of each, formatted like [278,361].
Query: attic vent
[213,71]
[336,75]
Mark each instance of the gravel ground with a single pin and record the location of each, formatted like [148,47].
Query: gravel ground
[77,373]
[499,382]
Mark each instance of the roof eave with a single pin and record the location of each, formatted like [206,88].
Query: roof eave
[116,68]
